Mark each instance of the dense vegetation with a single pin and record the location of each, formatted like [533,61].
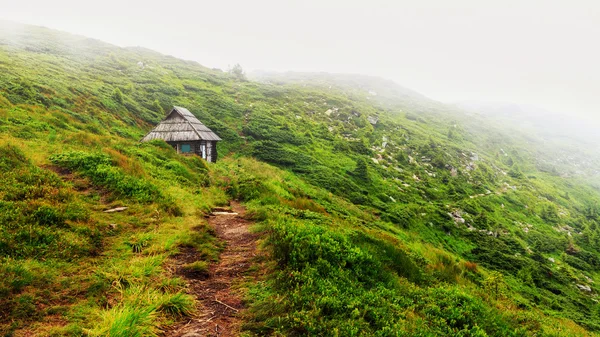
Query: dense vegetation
[384,213]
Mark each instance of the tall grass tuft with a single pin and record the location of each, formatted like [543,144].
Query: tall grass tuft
[126,321]
[176,305]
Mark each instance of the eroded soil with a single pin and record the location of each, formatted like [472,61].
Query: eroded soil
[219,302]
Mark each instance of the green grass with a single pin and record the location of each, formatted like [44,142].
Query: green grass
[196,268]
[126,321]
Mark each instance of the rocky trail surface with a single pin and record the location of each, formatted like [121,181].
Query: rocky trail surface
[219,303]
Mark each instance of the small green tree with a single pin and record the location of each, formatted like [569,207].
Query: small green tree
[515,172]
[24,90]
[402,157]
[361,172]
[157,107]
[238,72]
[117,95]
[482,221]
[591,210]
[549,212]
[454,134]
[494,284]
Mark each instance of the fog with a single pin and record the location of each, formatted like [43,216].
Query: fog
[541,53]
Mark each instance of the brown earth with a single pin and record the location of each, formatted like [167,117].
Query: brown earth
[219,302]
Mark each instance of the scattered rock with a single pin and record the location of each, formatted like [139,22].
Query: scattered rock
[584,288]
[116,209]
[224,213]
[456,216]
[113,226]
[551,259]
[192,334]
[373,120]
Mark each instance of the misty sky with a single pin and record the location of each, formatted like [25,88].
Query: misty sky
[545,53]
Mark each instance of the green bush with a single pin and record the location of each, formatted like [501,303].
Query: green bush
[99,168]
[24,308]
[14,276]
[12,158]
[327,284]
[46,215]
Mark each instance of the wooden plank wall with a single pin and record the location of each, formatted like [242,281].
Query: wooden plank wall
[196,147]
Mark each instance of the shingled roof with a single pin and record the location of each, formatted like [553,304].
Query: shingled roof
[180,125]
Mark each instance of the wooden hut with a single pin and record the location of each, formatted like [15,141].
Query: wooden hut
[182,130]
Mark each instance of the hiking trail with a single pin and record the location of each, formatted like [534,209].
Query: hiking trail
[219,303]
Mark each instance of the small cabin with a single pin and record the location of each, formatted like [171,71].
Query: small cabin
[182,130]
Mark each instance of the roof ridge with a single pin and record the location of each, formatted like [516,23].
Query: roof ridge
[194,128]
[185,115]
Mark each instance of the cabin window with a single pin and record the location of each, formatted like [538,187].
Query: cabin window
[185,148]
[203,147]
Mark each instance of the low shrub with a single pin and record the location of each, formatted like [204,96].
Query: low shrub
[99,168]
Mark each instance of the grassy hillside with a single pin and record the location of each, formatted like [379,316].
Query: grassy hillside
[382,212]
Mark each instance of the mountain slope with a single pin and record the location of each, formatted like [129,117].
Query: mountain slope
[565,144]
[387,214]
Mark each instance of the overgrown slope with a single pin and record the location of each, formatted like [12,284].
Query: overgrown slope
[388,214]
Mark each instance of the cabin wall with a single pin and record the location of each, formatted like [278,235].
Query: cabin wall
[213,149]
[196,147]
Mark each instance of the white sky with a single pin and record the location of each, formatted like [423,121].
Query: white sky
[545,52]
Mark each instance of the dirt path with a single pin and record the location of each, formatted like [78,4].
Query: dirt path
[219,303]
